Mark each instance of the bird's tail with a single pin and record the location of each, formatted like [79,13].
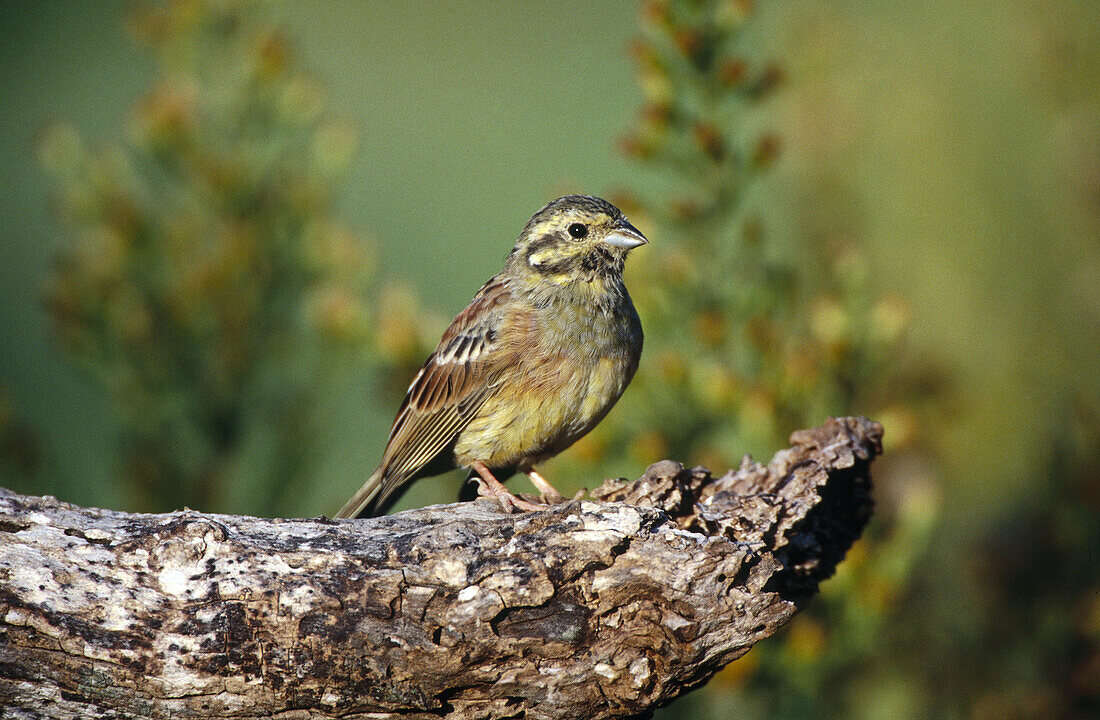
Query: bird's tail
[361,501]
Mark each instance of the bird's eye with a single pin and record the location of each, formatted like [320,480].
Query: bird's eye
[577,230]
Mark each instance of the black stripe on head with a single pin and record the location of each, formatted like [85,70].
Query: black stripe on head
[540,243]
[565,266]
[536,246]
[588,204]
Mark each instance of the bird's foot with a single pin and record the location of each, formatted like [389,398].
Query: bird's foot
[550,494]
[488,485]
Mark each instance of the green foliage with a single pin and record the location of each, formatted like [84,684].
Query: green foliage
[749,338]
[746,339]
[208,289]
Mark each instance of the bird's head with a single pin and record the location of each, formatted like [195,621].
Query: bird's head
[575,239]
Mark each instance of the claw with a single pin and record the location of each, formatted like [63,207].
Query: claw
[550,494]
[489,485]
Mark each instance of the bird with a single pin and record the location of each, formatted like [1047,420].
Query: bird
[538,357]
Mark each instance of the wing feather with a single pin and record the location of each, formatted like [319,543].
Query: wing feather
[449,389]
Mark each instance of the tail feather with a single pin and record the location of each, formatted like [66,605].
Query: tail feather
[362,501]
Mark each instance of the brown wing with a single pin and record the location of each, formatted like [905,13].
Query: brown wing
[447,392]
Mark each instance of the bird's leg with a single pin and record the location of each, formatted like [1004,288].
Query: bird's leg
[489,485]
[550,494]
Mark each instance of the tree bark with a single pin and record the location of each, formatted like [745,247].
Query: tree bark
[597,608]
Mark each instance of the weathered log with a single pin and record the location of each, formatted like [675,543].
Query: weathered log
[599,608]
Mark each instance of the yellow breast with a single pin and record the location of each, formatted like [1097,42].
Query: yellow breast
[571,370]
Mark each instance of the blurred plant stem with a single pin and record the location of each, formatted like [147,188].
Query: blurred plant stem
[208,289]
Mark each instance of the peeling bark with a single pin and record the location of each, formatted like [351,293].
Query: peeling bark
[599,608]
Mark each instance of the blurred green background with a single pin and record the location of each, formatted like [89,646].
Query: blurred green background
[210,294]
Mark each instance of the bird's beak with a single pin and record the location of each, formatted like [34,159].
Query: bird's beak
[626,236]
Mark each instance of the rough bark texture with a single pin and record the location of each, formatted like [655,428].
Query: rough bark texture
[597,608]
